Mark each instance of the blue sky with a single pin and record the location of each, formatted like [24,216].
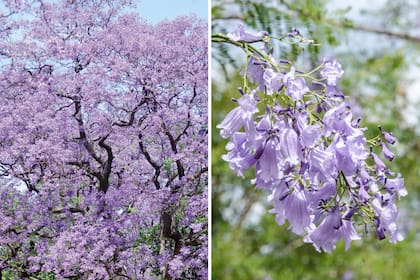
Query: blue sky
[157,10]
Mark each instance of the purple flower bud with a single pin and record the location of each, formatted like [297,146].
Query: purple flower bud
[284,61]
[356,123]
[364,175]
[241,34]
[387,153]
[380,165]
[380,232]
[350,213]
[319,108]
[294,33]
[389,137]
[363,194]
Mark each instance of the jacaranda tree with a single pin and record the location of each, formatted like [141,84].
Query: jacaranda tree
[103,140]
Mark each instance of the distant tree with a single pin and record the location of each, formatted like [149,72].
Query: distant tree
[103,143]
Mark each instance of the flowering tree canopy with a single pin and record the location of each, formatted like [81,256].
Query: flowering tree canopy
[309,153]
[103,142]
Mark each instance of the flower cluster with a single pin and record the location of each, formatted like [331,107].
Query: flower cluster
[309,153]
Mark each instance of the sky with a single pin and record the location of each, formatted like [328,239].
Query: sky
[157,10]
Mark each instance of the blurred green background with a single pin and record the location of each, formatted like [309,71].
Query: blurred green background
[378,44]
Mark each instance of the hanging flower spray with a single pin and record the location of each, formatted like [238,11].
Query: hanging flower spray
[310,155]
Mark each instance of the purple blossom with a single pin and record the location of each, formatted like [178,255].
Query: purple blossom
[272,81]
[338,119]
[387,216]
[268,167]
[292,203]
[345,162]
[255,71]
[239,117]
[332,71]
[289,146]
[309,134]
[241,34]
[348,233]
[364,176]
[396,185]
[322,163]
[239,155]
[295,86]
[332,229]
[350,153]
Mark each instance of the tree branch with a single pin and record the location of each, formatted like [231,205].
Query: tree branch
[364,28]
[339,23]
[173,143]
[149,159]
[82,133]
[106,166]
[132,115]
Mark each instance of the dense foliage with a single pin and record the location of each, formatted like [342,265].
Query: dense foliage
[103,143]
